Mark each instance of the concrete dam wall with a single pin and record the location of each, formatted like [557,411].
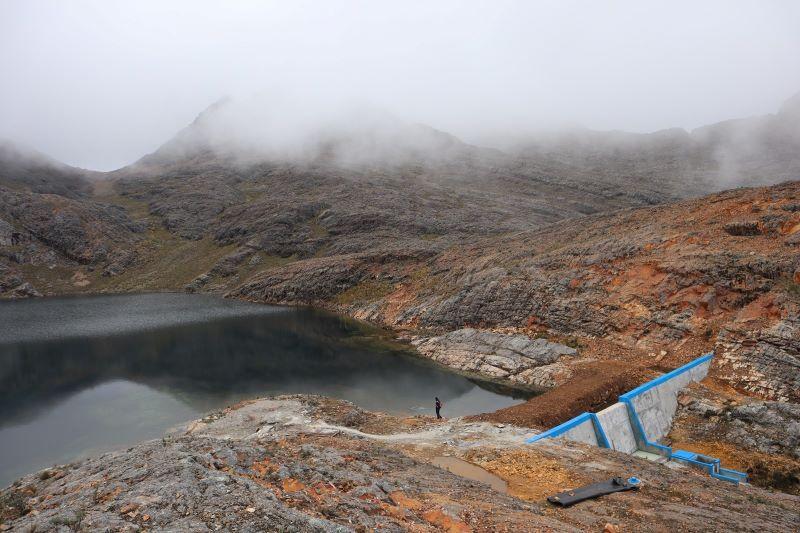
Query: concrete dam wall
[640,419]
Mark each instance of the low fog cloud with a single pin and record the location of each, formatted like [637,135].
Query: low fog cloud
[299,127]
[99,84]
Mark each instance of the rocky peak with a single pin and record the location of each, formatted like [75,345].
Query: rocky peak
[259,129]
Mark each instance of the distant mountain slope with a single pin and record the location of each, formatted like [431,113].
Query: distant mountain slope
[375,183]
[673,164]
[409,227]
[50,226]
[25,169]
[256,186]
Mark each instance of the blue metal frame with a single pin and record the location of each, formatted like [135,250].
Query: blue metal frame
[642,442]
[599,432]
[713,468]
[561,428]
[602,439]
[666,377]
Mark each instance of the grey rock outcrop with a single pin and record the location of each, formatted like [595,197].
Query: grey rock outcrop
[765,361]
[769,427]
[26,290]
[286,464]
[80,230]
[515,359]
[13,284]
[6,231]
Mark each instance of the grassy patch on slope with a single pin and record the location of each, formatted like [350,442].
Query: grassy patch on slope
[366,291]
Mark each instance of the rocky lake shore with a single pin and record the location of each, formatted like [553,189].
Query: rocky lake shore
[305,463]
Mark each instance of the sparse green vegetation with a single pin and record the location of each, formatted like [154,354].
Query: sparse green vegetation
[322,251]
[317,230]
[270,261]
[791,287]
[167,261]
[573,342]
[71,521]
[422,280]
[137,209]
[266,262]
[366,291]
[251,195]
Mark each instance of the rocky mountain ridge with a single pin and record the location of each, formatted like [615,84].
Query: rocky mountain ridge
[674,163]
[465,251]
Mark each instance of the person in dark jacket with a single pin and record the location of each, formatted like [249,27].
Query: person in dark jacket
[438,407]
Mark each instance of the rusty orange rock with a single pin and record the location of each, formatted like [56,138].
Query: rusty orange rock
[292,485]
[400,499]
[440,519]
[262,468]
[128,507]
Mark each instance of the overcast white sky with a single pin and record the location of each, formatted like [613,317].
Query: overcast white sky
[99,84]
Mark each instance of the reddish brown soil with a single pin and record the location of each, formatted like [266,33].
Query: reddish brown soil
[594,386]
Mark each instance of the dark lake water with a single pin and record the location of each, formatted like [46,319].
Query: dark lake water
[80,376]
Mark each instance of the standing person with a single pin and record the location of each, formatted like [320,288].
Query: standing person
[438,407]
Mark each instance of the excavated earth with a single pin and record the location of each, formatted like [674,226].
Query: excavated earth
[313,464]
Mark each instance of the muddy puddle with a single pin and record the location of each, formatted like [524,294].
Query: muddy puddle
[470,471]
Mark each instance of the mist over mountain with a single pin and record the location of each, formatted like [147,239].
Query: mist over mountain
[680,163]
[258,183]
[24,167]
[295,180]
[288,129]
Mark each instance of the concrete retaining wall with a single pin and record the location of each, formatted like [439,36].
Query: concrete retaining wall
[639,420]
[655,402]
[582,428]
[617,427]
[583,432]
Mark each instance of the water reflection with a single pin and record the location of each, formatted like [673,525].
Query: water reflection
[77,377]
